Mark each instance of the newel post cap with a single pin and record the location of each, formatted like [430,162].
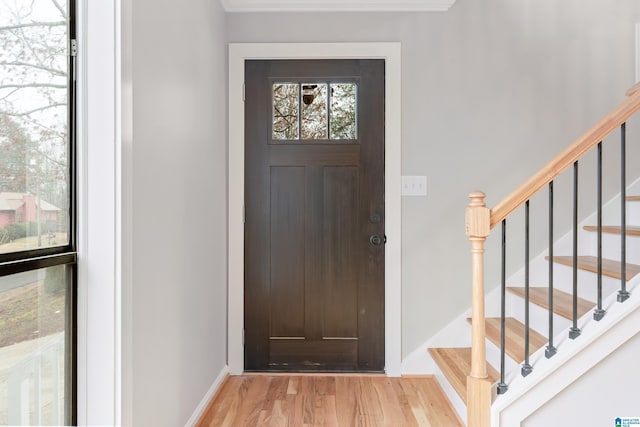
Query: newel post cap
[478,216]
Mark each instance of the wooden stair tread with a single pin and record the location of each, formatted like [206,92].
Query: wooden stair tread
[562,301]
[514,337]
[455,363]
[615,229]
[610,267]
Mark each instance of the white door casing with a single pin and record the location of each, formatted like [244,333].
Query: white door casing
[238,54]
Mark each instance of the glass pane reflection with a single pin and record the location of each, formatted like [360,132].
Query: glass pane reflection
[33,362]
[343,111]
[314,111]
[285,110]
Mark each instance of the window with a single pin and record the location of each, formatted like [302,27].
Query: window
[37,205]
[314,111]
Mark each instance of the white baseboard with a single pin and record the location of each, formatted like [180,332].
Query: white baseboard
[202,406]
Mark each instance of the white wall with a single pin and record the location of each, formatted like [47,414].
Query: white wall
[176,212]
[610,387]
[492,90]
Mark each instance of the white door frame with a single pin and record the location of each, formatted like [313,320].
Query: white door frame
[391,53]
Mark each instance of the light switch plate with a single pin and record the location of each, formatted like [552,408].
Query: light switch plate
[414,185]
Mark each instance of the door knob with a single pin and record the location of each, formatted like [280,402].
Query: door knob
[375,240]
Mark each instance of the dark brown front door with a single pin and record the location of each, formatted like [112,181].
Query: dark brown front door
[314,215]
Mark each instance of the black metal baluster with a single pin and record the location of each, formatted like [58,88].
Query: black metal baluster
[599,313]
[550,350]
[526,367]
[574,332]
[502,386]
[623,294]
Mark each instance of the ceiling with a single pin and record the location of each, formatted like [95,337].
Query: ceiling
[337,5]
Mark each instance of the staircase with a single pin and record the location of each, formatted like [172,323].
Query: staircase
[582,287]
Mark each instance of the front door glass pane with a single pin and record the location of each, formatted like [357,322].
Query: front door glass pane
[343,111]
[314,111]
[285,110]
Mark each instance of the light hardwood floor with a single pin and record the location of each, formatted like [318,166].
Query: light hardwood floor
[329,400]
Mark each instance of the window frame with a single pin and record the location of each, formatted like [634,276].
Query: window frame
[40,258]
[319,141]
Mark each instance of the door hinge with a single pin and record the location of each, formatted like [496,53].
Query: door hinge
[243,91]
[243,337]
[244,214]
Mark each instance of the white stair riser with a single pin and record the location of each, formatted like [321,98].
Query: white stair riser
[563,280]
[538,316]
[633,213]
[611,246]
[587,282]
[493,358]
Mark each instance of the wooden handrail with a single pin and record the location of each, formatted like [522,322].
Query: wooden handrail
[633,89]
[568,157]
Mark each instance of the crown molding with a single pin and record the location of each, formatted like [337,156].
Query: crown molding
[337,5]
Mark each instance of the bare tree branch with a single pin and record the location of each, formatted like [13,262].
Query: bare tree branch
[62,11]
[27,85]
[40,67]
[33,24]
[29,45]
[52,160]
[9,94]
[35,110]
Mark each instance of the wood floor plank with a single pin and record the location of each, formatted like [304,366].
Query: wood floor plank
[223,401]
[295,409]
[455,363]
[417,409]
[610,267]
[562,301]
[325,401]
[233,411]
[346,408]
[514,337]
[391,411]
[325,386]
[432,396]
[292,388]
[308,390]
[615,229]
[277,391]
[335,401]
[368,408]
[251,406]
[403,401]
[278,416]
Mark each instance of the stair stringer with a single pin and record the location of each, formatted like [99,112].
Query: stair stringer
[574,359]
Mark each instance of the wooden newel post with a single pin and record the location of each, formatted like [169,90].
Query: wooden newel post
[478,220]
